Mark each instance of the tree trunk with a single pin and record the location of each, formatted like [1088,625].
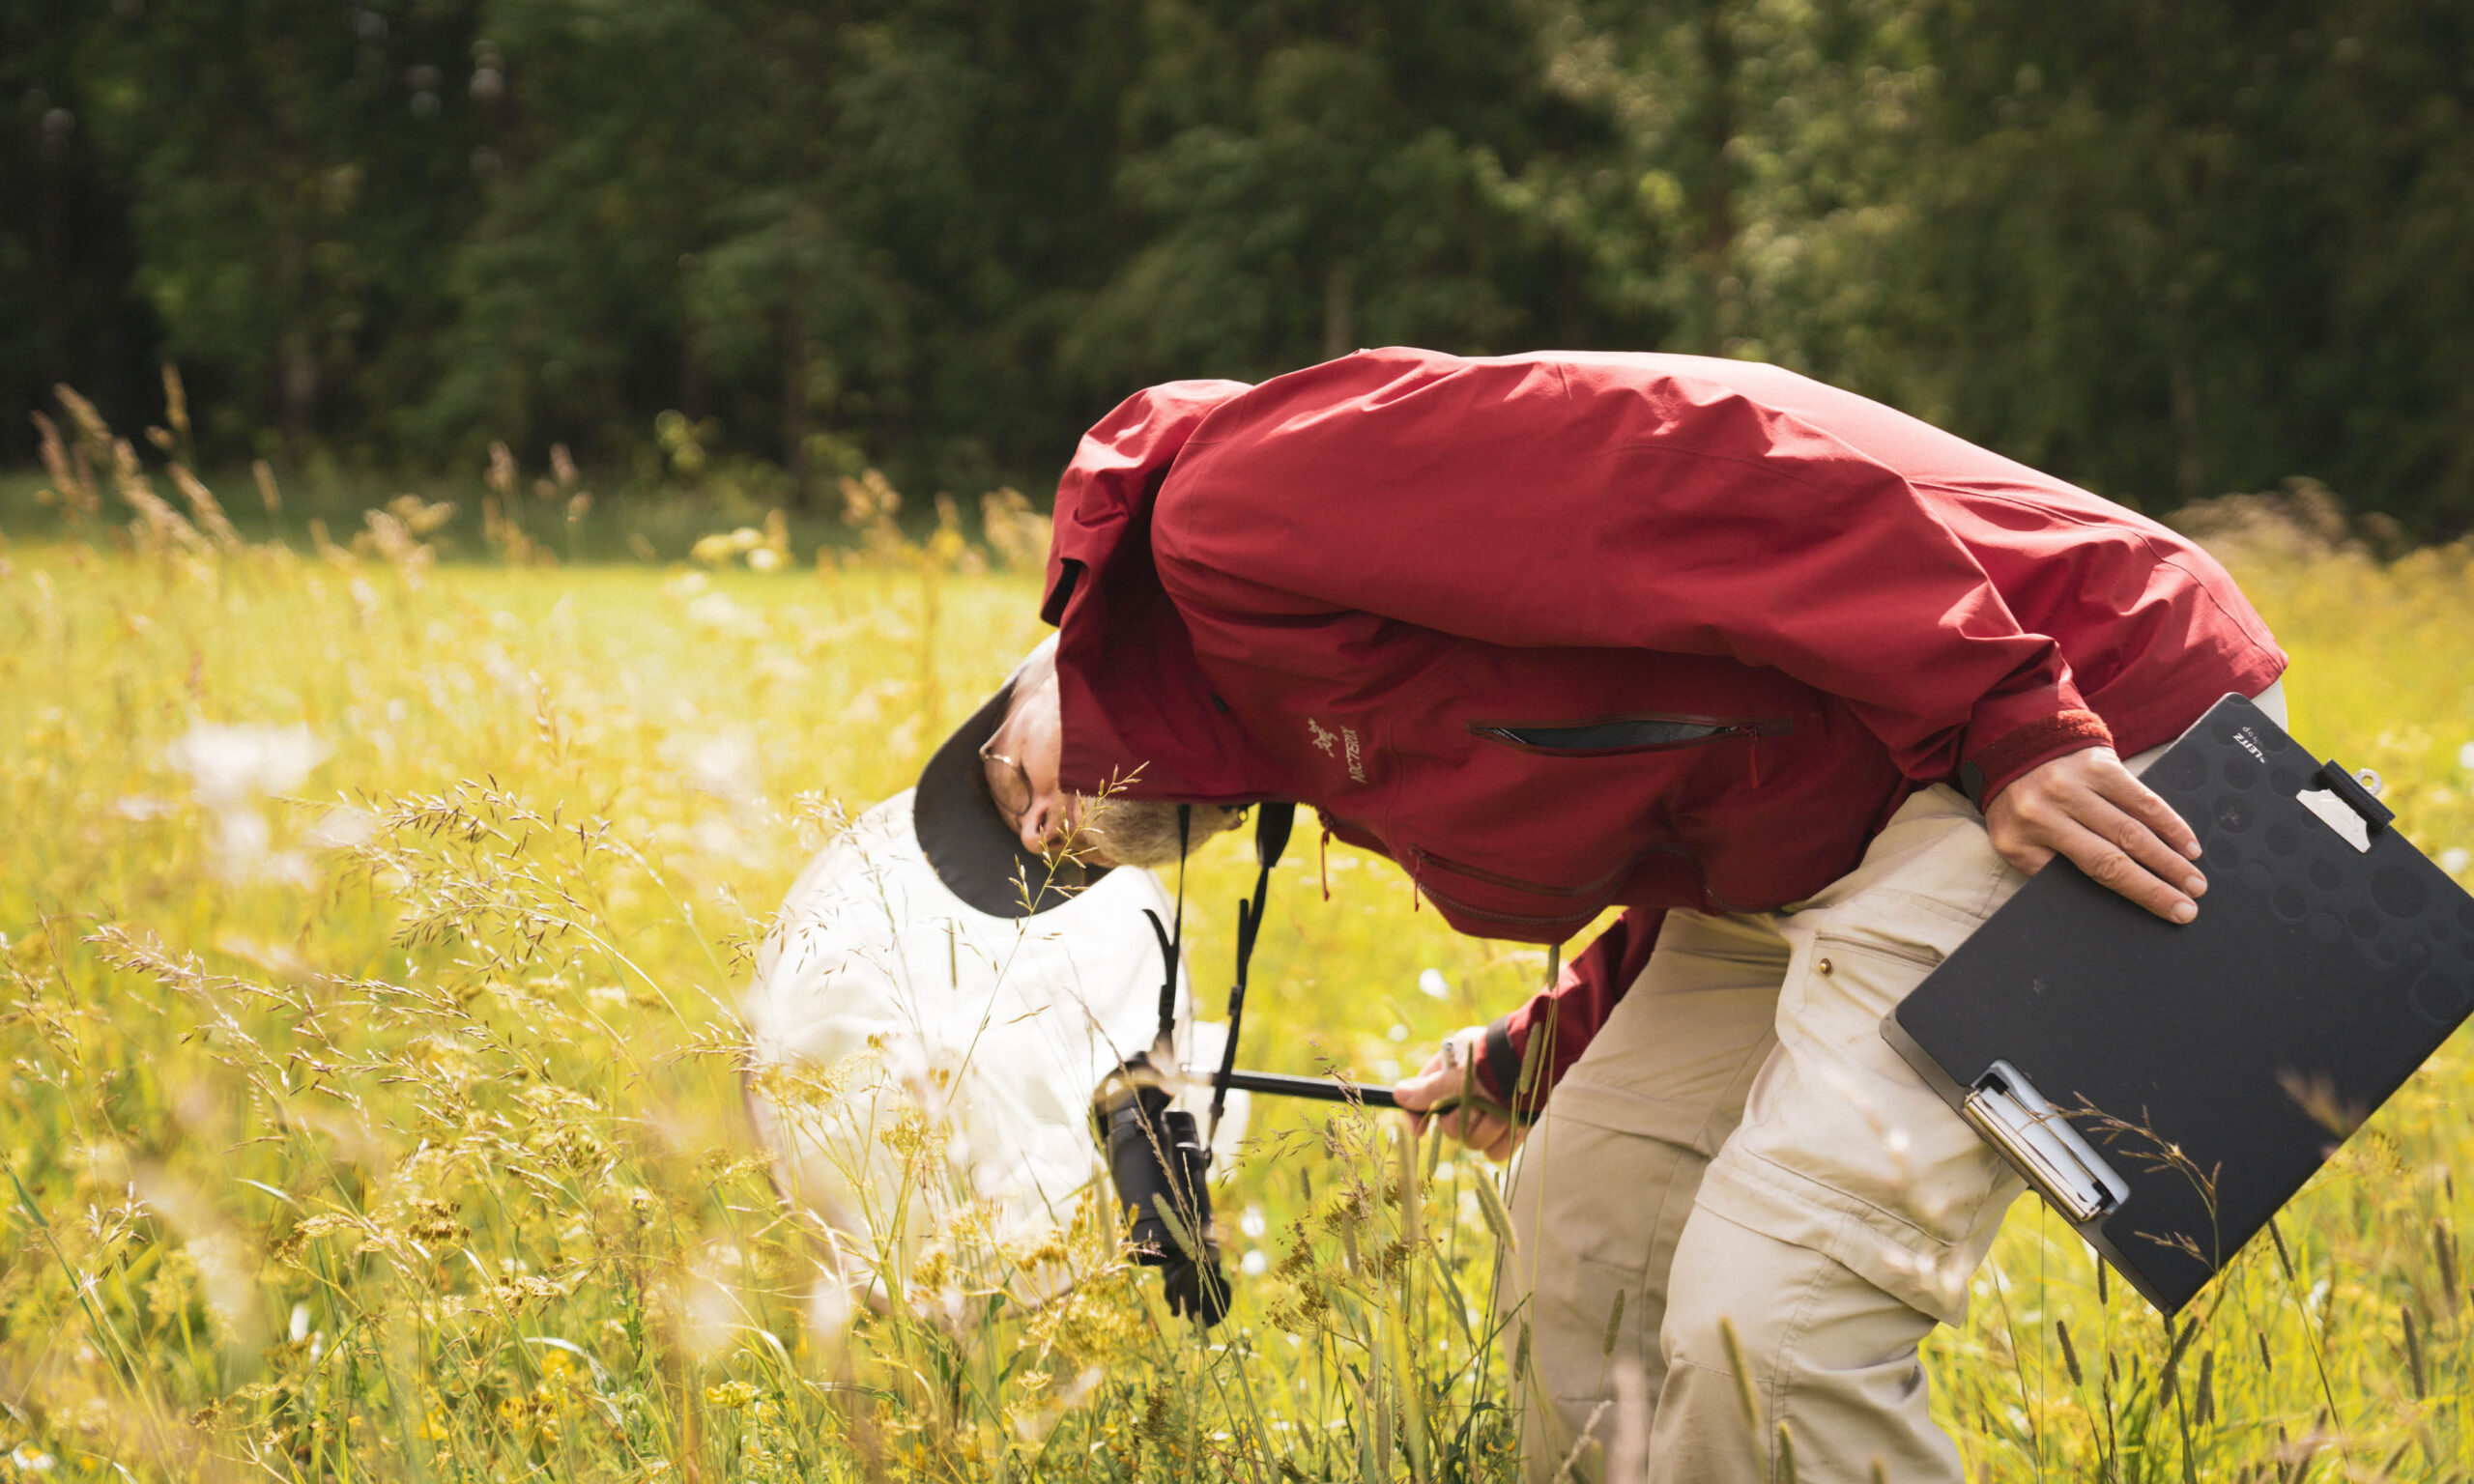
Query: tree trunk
[691,377]
[794,403]
[296,358]
[1718,199]
[1340,312]
[299,390]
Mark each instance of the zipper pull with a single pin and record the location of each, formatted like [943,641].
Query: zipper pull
[1323,861]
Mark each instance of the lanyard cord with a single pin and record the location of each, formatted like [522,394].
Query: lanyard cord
[1272,823]
[1173,948]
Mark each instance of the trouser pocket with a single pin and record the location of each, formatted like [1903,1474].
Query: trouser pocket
[1843,1147]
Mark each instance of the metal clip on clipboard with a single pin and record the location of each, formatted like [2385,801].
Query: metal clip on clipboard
[2006,1109]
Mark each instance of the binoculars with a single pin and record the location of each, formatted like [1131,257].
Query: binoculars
[1159,1164]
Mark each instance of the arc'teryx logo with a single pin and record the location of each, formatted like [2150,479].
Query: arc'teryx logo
[1346,740]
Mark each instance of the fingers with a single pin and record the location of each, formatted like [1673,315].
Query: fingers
[1462,1124]
[2029,859]
[1487,1134]
[1441,1077]
[2089,807]
[2133,837]
[1437,1095]
[1483,1132]
[2120,788]
[2131,860]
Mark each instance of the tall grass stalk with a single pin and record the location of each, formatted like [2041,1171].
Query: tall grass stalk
[381,1117]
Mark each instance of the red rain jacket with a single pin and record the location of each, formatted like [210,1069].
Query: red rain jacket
[1563,631]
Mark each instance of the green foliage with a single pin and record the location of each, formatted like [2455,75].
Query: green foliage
[70,309]
[2182,250]
[2166,251]
[1317,180]
[297,177]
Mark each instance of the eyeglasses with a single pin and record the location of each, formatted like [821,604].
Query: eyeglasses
[1009,786]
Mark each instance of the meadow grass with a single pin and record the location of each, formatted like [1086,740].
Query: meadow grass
[374,1103]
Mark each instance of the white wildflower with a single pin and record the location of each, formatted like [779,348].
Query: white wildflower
[714,836]
[704,1303]
[343,827]
[243,840]
[231,770]
[239,765]
[726,766]
[721,614]
[830,1309]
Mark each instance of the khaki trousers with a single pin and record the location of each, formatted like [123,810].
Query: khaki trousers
[1738,1150]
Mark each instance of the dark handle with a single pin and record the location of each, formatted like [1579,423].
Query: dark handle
[1281,1085]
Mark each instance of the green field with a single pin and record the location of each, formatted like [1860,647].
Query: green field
[373,1103]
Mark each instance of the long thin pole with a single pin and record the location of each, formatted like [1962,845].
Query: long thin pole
[1281,1085]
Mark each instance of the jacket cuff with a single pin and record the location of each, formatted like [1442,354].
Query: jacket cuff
[1998,763]
[1498,1069]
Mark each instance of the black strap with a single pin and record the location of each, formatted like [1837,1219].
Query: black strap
[1169,949]
[1173,948]
[1185,849]
[1272,823]
[1171,953]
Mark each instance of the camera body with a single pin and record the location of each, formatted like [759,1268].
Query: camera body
[1159,1164]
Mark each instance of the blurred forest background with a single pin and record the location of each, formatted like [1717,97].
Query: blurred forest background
[2165,249]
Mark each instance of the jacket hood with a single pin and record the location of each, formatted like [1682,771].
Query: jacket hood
[1139,717]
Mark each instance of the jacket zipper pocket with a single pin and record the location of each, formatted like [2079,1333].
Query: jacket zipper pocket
[1617,736]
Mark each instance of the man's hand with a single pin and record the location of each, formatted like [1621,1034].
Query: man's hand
[1445,1090]
[2086,806]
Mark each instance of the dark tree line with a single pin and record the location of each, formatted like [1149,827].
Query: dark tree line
[2167,250]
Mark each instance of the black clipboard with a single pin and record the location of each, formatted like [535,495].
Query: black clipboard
[2166,1088]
